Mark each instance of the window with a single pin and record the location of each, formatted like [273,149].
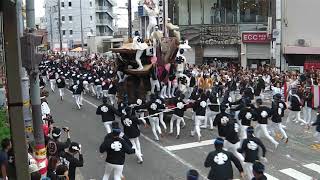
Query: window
[196,12]
[62,4]
[63,32]
[220,12]
[70,32]
[70,18]
[90,3]
[70,4]
[63,18]
[183,15]
[254,11]
[90,18]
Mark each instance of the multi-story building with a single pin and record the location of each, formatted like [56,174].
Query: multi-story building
[229,30]
[300,32]
[97,20]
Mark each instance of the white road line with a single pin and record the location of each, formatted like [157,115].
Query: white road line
[269,177]
[189,145]
[160,147]
[313,166]
[296,174]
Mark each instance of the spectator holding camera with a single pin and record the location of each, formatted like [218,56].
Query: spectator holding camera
[71,161]
[55,147]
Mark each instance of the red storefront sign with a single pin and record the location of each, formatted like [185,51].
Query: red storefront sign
[255,37]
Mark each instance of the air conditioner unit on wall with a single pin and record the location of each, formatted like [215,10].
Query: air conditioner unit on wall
[303,42]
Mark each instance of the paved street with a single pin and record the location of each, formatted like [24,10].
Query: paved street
[299,159]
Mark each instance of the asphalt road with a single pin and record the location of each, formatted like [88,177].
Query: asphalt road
[162,161]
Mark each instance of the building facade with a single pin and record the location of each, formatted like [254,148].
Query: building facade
[97,20]
[215,30]
[300,32]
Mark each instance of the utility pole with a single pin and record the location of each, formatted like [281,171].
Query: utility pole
[59,25]
[130,19]
[31,62]
[82,43]
[30,14]
[15,102]
[51,29]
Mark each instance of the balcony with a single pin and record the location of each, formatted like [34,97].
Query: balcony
[102,22]
[106,9]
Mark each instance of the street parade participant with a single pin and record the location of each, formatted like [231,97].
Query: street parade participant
[262,114]
[61,85]
[220,162]
[250,149]
[107,113]
[161,113]
[278,108]
[295,107]
[131,129]
[116,148]
[77,90]
[153,108]
[213,108]
[178,114]
[307,105]
[258,171]
[52,79]
[246,116]
[199,108]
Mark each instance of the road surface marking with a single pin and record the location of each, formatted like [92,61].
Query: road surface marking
[269,177]
[160,147]
[296,174]
[189,145]
[313,166]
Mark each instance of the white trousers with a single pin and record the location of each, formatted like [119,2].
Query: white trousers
[179,120]
[155,85]
[105,93]
[234,149]
[92,89]
[197,123]
[107,125]
[117,171]
[112,98]
[136,145]
[162,121]
[307,114]
[61,92]
[155,126]
[243,133]
[210,116]
[98,89]
[278,126]
[52,84]
[296,116]
[138,60]
[78,98]
[164,92]
[263,128]
[247,168]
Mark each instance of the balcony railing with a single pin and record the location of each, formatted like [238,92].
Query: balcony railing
[105,9]
[102,22]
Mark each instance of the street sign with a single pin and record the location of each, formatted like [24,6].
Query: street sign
[255,37]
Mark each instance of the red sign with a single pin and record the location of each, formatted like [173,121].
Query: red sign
[255,37]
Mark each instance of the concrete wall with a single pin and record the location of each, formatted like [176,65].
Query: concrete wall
[301,21]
